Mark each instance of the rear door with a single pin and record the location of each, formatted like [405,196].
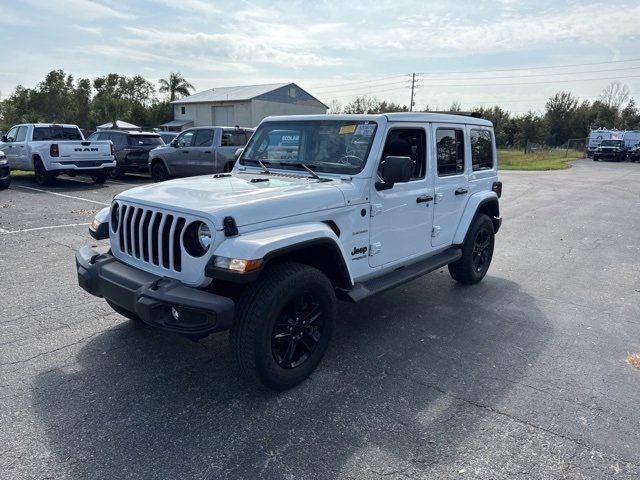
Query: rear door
[201,161]
[451,183]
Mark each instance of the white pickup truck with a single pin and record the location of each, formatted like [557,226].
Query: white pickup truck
[52,149]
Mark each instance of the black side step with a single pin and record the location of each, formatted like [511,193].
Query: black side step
[362,290]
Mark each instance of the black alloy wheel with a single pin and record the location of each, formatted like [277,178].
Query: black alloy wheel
[297,331]
[481,250]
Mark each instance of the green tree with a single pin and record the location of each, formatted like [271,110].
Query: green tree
[561,109]
[176,86]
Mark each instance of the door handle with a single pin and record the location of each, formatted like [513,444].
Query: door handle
[185,151]
[461,191]
[424,199]
[207,151]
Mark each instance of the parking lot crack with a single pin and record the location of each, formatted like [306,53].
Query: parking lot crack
[528,424]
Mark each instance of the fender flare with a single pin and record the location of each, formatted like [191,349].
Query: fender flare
[474,204]
[275,243]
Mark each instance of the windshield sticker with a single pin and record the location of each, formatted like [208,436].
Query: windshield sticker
[347,129]
[365,130]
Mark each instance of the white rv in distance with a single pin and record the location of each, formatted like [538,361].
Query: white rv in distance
[597,136]
[631,138]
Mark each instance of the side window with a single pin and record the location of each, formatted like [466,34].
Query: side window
[407,142]
[481,150]
[21,136]
[204,138]
[183,110]
[186,138]
[450,147]
[233,139]
[11,135]
[94,136]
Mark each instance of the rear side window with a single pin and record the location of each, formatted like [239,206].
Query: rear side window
[450,147]
[234,139]
[94,136]
[204,138]
[481,150]
[145,140]
[56,133]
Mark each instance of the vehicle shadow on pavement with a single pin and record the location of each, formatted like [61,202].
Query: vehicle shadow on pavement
[409,376]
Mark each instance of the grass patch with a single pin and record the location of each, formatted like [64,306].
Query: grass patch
[542,160]
[21,173]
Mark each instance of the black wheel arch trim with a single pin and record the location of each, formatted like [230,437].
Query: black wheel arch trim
[338,274]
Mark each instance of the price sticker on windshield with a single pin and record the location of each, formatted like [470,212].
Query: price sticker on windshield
[345,129]
[365,129]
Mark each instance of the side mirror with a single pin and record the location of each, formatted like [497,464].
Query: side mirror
[394,170]
[174,143]
[4,139]
[238,153]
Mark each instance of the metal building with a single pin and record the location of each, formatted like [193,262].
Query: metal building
[244,106]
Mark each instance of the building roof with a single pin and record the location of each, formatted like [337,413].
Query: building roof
[177,123]
[230,94]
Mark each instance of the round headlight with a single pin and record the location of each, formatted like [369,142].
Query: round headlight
[197,239]
[115,216]
[204,236]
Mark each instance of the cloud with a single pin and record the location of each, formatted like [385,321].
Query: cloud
[87,10]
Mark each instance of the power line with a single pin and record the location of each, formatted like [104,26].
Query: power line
[361,81]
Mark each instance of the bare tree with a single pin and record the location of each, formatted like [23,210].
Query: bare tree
[362,104]
[455,107]
[335,107]
[615,95]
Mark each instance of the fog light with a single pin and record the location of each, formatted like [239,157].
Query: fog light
[175,314]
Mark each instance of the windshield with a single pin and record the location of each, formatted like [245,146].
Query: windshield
[330,146]
[56,133]
[145,140]
[611,143]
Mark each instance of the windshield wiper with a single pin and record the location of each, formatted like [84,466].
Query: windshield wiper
[300,164]
[259,162]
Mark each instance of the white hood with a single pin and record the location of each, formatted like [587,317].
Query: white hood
[237,196]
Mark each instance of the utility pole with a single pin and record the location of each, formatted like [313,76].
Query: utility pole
[413,83]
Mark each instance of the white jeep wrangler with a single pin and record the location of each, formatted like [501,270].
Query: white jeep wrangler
[317,208]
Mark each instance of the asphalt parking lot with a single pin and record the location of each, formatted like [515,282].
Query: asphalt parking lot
[521,376]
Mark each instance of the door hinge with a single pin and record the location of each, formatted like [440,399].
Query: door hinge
[435,231]
[374,248]
[439,197]
[376,208]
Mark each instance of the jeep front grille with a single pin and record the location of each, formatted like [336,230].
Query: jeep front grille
[150,236]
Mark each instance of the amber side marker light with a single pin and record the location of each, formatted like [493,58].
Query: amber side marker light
[238,265]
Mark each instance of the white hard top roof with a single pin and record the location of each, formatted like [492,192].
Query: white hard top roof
[393,117]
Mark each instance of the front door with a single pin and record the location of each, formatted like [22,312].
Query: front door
[401,217]
[9,149]
[179,157]
[452,182]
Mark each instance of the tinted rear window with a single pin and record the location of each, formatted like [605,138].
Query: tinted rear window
[56,133]
[145,140]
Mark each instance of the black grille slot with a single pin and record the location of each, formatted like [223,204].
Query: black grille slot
[123,215]
[166,230]
[155,228]
[177,251]
[145,235]
[136,233]
[128,233]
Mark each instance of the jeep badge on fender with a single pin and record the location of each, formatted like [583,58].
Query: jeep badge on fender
[403,193]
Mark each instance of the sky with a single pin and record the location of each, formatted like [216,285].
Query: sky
[513,53]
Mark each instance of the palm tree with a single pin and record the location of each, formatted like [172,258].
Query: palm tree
[176,86]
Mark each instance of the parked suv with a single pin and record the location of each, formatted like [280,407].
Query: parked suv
[611,150]
[317,208]
[131,149]
[198,151]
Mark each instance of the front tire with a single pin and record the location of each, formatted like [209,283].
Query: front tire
[159,172]
[116,173]
[477,252]
[283,325]
[5,183]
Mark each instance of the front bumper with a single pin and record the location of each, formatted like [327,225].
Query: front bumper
[152,298]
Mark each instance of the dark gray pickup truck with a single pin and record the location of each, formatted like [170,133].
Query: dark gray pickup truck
[198,151]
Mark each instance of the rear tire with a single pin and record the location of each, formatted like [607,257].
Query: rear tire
[477,252]
[5,183]
[159,172]
[283,325]
[124,312]
[99,178]
[41,175]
